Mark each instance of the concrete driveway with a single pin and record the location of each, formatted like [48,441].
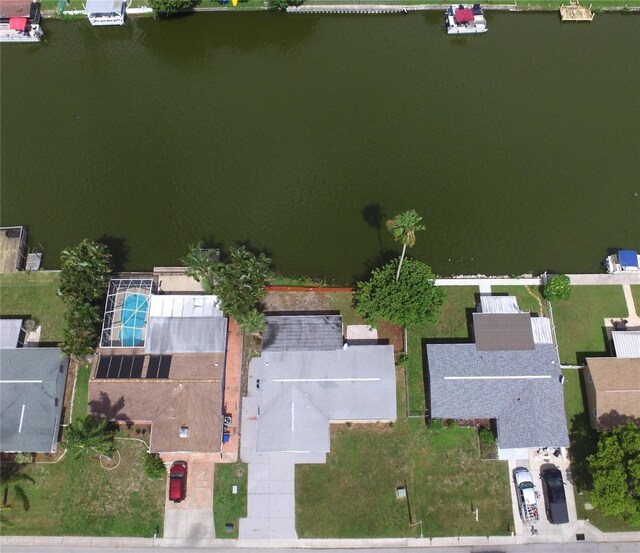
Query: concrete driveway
[193,517]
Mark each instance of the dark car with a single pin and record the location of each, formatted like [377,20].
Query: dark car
[555,499]
[178,481]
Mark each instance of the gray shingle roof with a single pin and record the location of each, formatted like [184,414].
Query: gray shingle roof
[302,333]
[31,398]
[503,331]
[521,389]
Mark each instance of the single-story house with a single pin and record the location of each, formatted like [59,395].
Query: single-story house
[306,379]
[613,383]
[106,12]
[32,384]
[20,21]
[510,373]
[161,361]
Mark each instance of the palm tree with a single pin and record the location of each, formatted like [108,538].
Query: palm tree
[10,477]
[404,227]
[90,434]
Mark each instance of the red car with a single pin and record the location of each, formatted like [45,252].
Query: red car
[178,481]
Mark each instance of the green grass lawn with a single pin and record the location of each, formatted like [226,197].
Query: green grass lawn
[228,507]
[34,295]
[583,444]
[78,497]
[529,298]
[452,323]
[635,292]
[353,494]
[580,321]
[81,397]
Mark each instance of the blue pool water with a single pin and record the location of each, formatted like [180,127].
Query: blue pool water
[134,314]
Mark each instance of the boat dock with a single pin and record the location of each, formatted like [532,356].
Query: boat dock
[13,242]
[575,12]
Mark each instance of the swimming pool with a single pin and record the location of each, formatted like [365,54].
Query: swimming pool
[134,315]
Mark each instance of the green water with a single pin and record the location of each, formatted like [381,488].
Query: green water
[520,147]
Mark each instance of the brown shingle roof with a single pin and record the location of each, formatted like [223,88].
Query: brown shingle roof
[15,8]
[191,397]
[502,331]
[617,389]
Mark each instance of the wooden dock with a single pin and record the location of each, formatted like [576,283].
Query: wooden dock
[13,241]
[575,12]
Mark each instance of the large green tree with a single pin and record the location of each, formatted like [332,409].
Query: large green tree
[90,435]
[238,281]
[404,227]
[615,468]
[412,299]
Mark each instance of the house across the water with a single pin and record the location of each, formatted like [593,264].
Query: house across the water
[20,21]
[105,12]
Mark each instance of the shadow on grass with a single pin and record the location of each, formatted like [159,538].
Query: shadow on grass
[584,442]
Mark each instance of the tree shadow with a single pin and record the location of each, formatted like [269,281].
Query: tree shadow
[608,421]
[584,442]
[373,215]
[384,257]
[118,249]
[103,407]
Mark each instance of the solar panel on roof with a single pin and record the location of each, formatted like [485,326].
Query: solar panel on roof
[136,369]
[125,367]
[165,366]
[114,366]
[152,368]
[103,366]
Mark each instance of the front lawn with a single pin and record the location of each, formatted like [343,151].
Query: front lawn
[584,443]
[77,497]
[452,323]
[34,295]
[354,494]
[228,507]
[529,298]
[580,321]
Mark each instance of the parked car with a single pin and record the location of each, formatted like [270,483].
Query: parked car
[555,499]
[178,481]
[527,496]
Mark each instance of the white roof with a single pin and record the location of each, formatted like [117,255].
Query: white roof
[626,343]
[302,391]
[104,6]
[10,333]
[361,332]
[499,304]
[184,306]
[541,327]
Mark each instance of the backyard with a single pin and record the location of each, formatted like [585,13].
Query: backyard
[579,321]
[354,493]
[583,443]
[34,295]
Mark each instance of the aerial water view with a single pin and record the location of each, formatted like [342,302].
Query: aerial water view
[319,274]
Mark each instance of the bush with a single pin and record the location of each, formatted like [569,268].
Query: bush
[486,437]
[402,358]
[435,424]
[282,5]
[154,466]
[452,424]
[170,7]
[23,458]
[557,288]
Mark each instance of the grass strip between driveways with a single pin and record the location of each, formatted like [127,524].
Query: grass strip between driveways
[228,507]
[580,321]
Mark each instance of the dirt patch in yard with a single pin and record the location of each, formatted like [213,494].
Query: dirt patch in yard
[296,301]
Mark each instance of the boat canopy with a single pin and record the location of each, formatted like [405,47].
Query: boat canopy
[628,258]
[464,16]
[18,23]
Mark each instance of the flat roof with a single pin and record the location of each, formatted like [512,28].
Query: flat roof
[104,6]
[503,331]
[10,330]
[32,384]
[522,390]
[626,343]
[186,334]
[301,392]
[302,333]
[499,304]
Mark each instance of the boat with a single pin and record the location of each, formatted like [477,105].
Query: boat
[624,261]
[465,20]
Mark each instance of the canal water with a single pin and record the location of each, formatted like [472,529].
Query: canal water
[300,134]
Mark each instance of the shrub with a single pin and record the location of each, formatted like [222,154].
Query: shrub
[402,358]
[557,288]
[170,7]
[486,437]
[23,458]
[154,466]
[435,424]
[452,423]
[282,5]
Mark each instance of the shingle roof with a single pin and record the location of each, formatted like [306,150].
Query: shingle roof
[503,331]
[302,333]
[31,398]
[521,389]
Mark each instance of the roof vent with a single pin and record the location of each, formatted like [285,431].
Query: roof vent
[184,431]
